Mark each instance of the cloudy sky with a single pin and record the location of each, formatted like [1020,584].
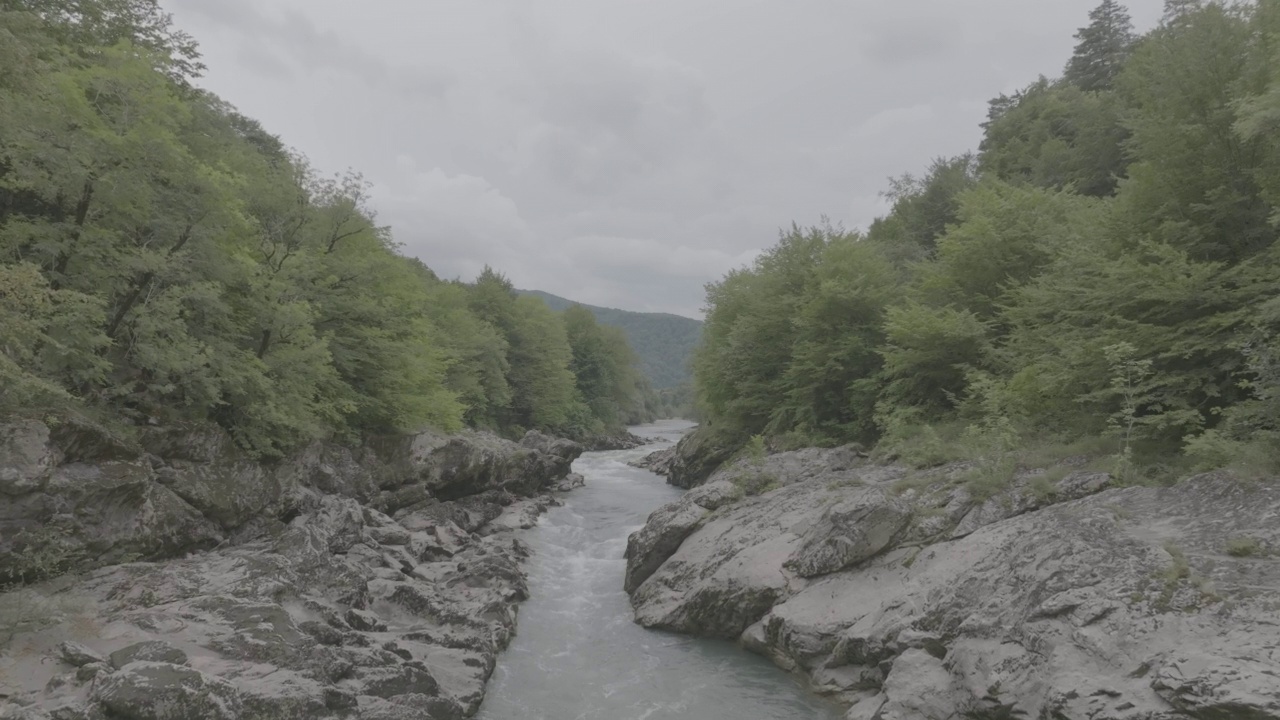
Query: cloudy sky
[624,152]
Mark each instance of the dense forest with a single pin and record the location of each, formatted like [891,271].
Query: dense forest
[663,342]
[1102,273]
[164,258]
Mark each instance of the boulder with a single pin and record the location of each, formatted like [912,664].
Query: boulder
[657,462]
[697,456]
[204,467]
[159,691]
[850,532]
[148,651]
[470,463]
[612,441]
[651,546]
[77,655]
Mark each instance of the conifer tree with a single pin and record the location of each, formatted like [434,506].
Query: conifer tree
[1102,48]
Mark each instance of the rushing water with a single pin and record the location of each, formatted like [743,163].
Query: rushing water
[579,656]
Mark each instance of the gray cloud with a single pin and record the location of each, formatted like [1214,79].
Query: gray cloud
[285,42]
[618,152]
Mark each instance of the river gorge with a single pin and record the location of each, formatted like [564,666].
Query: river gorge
[579,653]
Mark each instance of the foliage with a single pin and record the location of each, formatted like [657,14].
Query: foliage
[1128,375]
[1106,267]
[1056,135]
[163,258]
[663,343]
[1104,46]
[1243,547]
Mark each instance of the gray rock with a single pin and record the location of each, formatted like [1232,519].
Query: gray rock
[148,651]
[389,535]
[364,622]
[203,466]
[613,441]
[26,458]
[849,532]
[1235,684]
[572,481]
[97,514]
[697,456]
[156,691]
[1119,604]
[77,655]
[388,682]
[87,673]
[919,688]
[657,462]
[649,547]
[267,615]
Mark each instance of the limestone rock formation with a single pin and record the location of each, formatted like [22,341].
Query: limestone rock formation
[187,581]
[907,597]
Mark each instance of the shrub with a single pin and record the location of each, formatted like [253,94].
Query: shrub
[1243,547]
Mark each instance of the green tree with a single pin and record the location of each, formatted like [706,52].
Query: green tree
[830,385]
[85,25]
[1055,135]
[928,353]
[923,207]
[1194,180]
[543,394]
[1104,45]
[749,332]
[1004,236]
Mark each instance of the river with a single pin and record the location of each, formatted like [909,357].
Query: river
[578,654]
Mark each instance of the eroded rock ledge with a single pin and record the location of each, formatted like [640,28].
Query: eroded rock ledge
[373,582]
[908,598]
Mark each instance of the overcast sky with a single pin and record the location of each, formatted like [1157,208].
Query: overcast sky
[624,152]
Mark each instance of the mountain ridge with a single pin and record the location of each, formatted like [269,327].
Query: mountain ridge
[664,342]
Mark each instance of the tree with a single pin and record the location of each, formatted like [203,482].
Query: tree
[163,258]
[749,332]
[1177,11]
[1055,135]
[543,394]
[90,25]
[1193,182]
[1104,45]
[923,207]
[1004,237]
[831,382]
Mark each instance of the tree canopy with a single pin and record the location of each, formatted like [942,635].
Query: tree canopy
[1108,260]
[164,259]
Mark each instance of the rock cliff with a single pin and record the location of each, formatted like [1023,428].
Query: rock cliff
[908,597]
[186,581]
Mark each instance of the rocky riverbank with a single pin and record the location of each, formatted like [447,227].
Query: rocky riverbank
[912,595]
[377,581]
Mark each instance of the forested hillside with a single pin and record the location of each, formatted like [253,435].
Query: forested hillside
[1102,273]
[664,342]
[164,258]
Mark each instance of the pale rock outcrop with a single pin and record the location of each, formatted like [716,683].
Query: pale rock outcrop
[908,598]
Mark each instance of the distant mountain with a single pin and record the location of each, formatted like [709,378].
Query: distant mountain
[664,342]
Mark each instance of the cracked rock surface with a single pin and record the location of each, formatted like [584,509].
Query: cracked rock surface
[379,582]
[907,598]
